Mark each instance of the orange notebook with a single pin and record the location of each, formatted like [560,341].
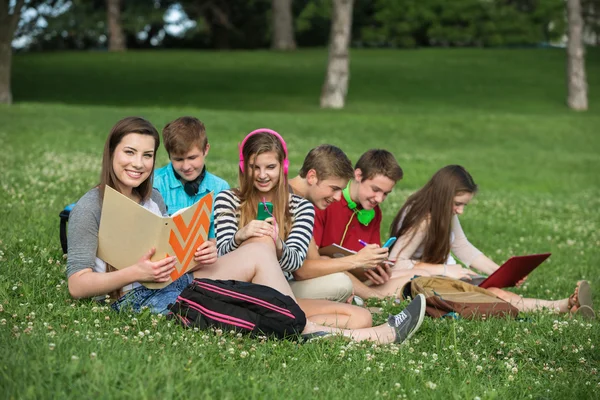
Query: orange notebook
[128,231]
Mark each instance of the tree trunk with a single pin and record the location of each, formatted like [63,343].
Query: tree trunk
[8,24]
[576,81]
[5,64]
[116,39]
[333,94]
[283,26]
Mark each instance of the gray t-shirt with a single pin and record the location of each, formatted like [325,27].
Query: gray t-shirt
[84,223]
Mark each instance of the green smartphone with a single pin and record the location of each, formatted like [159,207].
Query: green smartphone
[265,209]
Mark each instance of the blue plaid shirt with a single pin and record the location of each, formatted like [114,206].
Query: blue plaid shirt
[175,196]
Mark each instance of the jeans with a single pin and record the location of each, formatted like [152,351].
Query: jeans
[157,300]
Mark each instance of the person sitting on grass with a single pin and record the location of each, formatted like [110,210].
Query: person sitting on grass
[263,168]
[428,229]
[127,166]
[357,219]
[185,180]
[325,172]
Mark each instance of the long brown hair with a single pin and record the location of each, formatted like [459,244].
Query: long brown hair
[433,204]
[255,145]
[107,174]
[117,133]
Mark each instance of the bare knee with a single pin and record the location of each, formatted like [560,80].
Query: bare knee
[361,318]
[257,250]
[265,240]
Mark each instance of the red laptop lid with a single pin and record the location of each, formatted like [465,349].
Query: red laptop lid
[513,270]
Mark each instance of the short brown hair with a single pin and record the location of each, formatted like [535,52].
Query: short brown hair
[182,134]
[379,162]
[329,162]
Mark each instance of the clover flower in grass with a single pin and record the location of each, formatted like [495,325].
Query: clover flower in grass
[430,385]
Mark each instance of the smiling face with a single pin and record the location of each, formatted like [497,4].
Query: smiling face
[369,193]
[132,161]
[266,170]
[324,192]
[460,201]
[189,165]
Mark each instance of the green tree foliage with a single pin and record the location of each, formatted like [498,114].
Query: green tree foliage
[230,24]
[81,24]
[410,23]
[225,24]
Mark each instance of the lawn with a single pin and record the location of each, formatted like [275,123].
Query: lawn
[500,113]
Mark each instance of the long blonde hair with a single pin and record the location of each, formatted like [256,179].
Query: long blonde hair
[255,145]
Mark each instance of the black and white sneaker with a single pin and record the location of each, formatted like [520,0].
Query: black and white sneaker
[408,321]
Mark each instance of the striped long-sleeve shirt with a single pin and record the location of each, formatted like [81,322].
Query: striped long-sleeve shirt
[295,246]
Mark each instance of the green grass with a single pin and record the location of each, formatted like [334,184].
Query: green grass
[500,113]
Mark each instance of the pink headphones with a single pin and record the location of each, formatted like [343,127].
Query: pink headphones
[286,162]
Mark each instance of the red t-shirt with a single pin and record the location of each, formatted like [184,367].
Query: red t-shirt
[331,223]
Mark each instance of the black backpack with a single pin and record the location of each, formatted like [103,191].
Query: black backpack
[240,306]
[64,218]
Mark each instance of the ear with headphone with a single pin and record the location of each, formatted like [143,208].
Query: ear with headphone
[363,216]
[286,162]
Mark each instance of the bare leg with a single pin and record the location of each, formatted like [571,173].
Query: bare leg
[409,273]
[342,315]
[253,262]
[394,286]
[527,304]
[389,289]
[256,262]
[362,290]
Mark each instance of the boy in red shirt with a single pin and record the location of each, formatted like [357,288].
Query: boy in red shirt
[354,220]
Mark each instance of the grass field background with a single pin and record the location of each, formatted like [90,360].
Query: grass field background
[500,113]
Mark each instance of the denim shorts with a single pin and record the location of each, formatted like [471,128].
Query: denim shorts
[156,300]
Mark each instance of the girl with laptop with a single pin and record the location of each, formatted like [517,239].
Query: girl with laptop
[428,229]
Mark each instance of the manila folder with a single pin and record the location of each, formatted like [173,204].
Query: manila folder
[128,231]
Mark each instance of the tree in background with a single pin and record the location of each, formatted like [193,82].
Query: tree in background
[116,39]
[335,88]
[590,11]
[9,18]
[576,80]
[283,26]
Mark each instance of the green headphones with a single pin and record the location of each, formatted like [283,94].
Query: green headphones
[363,216]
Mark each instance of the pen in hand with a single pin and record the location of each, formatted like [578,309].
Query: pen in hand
[363,242]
